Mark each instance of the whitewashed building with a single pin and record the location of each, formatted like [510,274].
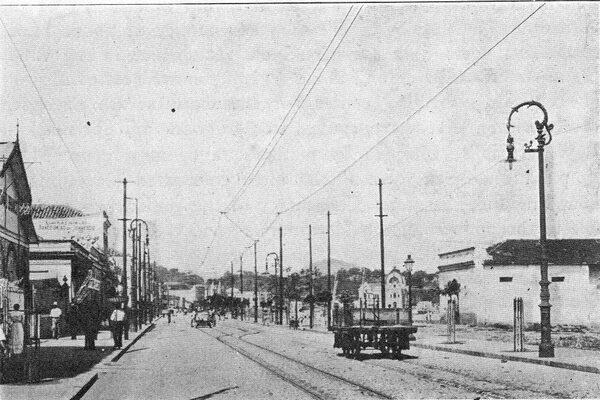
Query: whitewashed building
[491,278]
[396,291]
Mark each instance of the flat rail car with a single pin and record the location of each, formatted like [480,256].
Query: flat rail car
[389,339]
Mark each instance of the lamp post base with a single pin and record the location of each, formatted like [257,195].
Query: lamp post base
[546,350]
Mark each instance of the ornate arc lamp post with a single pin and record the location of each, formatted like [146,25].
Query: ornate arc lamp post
[543,128]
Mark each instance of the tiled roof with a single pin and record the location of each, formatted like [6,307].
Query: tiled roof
[54,211]
[560,252]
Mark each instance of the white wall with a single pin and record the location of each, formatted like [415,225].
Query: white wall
[574,301]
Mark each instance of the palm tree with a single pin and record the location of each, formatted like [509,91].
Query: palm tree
[452,288]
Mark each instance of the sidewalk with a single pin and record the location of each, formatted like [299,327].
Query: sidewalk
[66,368]
[568,358]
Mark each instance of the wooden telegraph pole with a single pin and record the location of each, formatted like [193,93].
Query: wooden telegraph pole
[310,281]
[381,215]
[329,270]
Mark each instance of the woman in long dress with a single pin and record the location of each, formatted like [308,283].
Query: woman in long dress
[17,335]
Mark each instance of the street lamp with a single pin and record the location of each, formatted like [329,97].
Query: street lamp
[546,348]
[142,267]
[408,264]
[276,257]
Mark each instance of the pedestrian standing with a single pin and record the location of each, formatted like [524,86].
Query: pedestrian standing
[2,349]
[193,320]
[55,315]
[72,321]
[17,334]
[117,319]
[88,316]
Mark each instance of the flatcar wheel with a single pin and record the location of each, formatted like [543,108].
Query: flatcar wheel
[355,350]
[384,349]
[397,352]
[346,351]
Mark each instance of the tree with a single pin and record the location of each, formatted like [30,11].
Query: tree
[346,297]
[452,288]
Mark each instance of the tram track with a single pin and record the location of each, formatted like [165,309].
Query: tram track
[428,372]
[316,382]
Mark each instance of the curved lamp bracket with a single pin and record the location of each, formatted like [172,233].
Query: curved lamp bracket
[540,126]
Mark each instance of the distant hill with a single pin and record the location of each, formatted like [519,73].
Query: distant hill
[336,265]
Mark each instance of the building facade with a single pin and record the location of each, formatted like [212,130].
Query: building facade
[396,292]
[16,233]
[491,278]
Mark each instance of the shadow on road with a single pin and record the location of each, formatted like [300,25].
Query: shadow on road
[56,362]
[379,356]
[208,396]
[134,350]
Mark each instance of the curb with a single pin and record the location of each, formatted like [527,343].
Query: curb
[548,363]
[126,348]
[82,391]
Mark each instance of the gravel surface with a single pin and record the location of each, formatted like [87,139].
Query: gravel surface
[570,337]
[481,377]
[175,361]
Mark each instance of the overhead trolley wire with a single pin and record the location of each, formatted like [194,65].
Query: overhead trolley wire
[238,226]
[44,105]
[407,119]
[394,130]
[278,134]
[209,248]
[311,88]
[419,109]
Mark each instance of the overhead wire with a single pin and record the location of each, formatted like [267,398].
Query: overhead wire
[238,227]
[209,248]
[279,132]
[419,109]
[44,105]
[413,114]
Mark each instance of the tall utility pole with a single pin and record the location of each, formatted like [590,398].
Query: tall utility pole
[149,278]
[310,280]
[242,286]
[280,275]
[232,281]
[144,284]
[381,215]
[133,278]
[139,268]
[329,270]
[255,285]
[135,271]
[124,272]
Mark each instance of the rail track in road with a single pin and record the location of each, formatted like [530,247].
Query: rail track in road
[448,377]
[315,382]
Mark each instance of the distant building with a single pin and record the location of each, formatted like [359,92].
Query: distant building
[396,291]
[491,278]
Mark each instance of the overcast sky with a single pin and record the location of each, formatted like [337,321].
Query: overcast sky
[182,100]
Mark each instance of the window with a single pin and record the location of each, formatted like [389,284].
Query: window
[506,279]
[558,279]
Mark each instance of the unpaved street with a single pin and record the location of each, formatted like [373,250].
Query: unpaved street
[176,361]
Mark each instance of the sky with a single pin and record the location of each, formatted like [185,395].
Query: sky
[183,100]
